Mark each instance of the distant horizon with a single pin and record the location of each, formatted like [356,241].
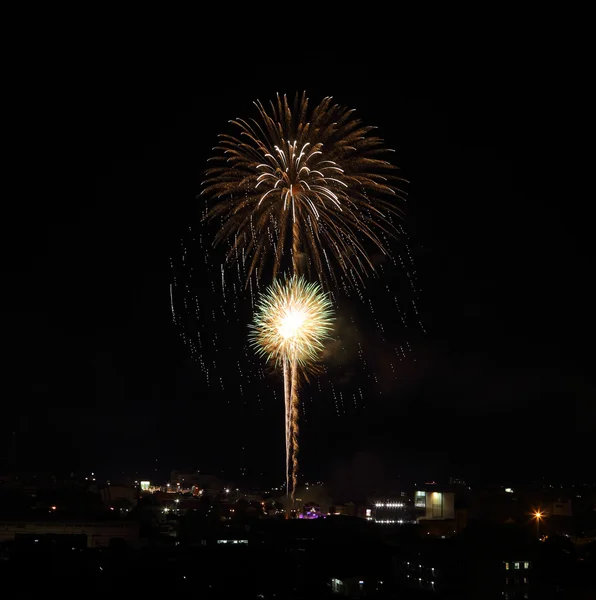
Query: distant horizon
[161,476]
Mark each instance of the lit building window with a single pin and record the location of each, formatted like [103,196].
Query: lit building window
[437,504]
[526,565]
[420,501]
[516,565]
[507,566]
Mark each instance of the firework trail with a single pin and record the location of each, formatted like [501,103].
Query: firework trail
[294,424]
[287,419]
[292,321]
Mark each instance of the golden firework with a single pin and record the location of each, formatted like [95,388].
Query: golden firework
[292,321]
[303,191]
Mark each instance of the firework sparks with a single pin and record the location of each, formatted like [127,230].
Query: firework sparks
[292,322]
[296,192]
[303,192]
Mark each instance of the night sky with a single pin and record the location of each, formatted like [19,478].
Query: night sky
[110,161]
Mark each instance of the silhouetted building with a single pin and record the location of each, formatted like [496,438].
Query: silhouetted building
[118,497]
[96,533]
[481,562]
[185,477]
[561,507]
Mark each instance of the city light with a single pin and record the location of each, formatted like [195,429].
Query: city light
[538,515]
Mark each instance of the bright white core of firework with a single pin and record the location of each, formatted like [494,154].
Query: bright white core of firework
[290,325]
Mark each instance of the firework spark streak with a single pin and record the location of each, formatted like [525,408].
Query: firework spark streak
[303,192]
[292,321]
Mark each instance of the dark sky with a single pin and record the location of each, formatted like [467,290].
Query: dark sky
[110,158]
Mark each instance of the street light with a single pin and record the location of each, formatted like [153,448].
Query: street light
[538,515]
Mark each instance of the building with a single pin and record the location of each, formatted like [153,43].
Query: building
[437,513]
[120,497]
[560,507]
[348,508]
[389,512]
[485,562]
[97,534]
[435,504]
[185,478]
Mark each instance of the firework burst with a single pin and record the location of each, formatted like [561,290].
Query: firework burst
[304,192]
[292,321]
